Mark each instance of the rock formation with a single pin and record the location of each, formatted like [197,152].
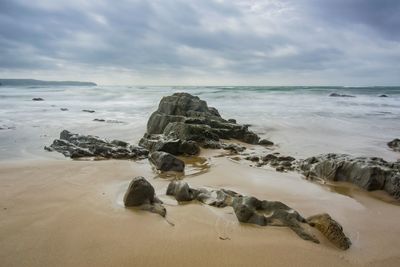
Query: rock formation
[340,95]
[368,173]
[182,118]
[78,146]
[261,212]
[141,194]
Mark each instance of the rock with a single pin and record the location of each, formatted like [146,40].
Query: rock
[188,118]
[247,209]
[233,148]
[37,99]
[141,194]
[331,229]
[253,158]
[394,144]
[280,163]
[265,142]
[88,111]
[77,146]
[63,109]
[340,95]
[368,173]
[232,121]
[99,120]
[383,95]
[164,161]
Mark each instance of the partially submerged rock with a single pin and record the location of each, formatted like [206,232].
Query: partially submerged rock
[368,173]
[265,142]
[340,95]
[279,162]
[164,161]
[88,111]
[184,117]
[77,146]
[331,229]
[394,144]
[141,194]
[37,99]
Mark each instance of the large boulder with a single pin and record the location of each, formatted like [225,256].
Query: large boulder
[164,161]
[78,146]
[331,229]
[141,194]
[184,117]
[368,173]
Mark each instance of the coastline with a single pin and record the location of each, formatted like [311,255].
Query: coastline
[70,213]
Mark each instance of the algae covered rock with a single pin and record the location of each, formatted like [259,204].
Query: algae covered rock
[331,229]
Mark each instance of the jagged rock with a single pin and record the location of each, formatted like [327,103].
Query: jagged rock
[394,144]
[77,146]
[340,95]
[37,99]
[280,163]
[368,173]
[164,161]
[247,209]
[331,229]
[141,194]
[188,118]
[173,146]
[265,142]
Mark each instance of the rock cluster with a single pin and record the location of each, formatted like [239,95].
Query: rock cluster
[275,160]
[368,173]
[141,194]
[262,212]
[184,122]
[78,146]
[394,144]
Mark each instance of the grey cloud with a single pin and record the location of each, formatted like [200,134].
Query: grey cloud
[207,37]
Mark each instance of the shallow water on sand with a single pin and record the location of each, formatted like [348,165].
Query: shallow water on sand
[301,121]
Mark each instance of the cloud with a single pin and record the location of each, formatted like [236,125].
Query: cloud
[202,41]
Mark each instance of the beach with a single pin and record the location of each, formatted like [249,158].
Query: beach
[56,211]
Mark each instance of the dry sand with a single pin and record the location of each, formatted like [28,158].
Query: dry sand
[70,213]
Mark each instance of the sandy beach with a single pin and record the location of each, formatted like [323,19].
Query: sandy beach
[70,213]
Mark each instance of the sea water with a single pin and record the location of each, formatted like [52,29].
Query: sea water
[301,121]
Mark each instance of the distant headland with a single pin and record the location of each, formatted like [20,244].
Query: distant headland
[33,82]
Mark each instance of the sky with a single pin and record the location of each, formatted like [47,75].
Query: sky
[202,42]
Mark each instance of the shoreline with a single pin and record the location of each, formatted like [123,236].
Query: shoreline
[72,209]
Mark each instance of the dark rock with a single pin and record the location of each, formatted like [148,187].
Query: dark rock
[99,120]
[280,163]
[37,99]
[394,144]
[77,146]
[331,229]
[253,158]
[340,95]
[247,209]
[164,161]
[383,96]
[368,173]
[173,146]
[265,142]
[63,109]
[232,121]
[188,118]
[233,148]
[88,111]
[141,194]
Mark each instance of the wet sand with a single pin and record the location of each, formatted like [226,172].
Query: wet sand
[60,212]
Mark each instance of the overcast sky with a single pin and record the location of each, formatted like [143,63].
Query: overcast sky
[202,42]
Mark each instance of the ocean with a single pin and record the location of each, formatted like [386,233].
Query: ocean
[301,121]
